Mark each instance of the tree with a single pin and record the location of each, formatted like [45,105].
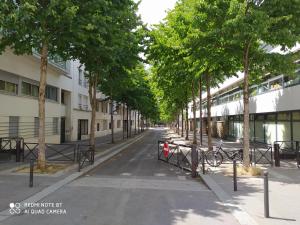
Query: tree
[251,25]
[108,42]
[43,27]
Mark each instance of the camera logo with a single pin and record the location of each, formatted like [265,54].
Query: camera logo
[15,208]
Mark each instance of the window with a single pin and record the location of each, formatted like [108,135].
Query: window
[104,125]
[98,126]
[51,93]
[36,127]
[97,107]
[13,126]
[80,77]
[83,126]
[276,84]
[104,107]
[296,116]
[30,89]
[8,87]
[284,116]
[62,100]
[118,123]
[55,125]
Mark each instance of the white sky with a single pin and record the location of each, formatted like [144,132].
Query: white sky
[153,11]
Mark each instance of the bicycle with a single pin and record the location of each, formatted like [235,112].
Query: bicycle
[215,158]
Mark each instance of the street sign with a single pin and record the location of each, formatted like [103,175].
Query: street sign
[166,149]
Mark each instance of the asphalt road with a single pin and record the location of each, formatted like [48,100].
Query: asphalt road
[133,188]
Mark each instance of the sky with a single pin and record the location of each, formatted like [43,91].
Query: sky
[153,11]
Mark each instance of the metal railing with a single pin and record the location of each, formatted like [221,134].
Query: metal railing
[85,156]
[179,155]
[287,151]
[12,146]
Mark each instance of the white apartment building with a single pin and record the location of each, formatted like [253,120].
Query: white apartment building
[274,109]
[68,111]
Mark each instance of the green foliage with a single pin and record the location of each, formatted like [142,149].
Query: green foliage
[26,24]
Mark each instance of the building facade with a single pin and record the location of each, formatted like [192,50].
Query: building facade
[274,109]
[68,110]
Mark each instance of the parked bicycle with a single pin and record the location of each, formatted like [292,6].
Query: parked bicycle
[215,158]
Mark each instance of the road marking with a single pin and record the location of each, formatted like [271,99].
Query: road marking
[139,183]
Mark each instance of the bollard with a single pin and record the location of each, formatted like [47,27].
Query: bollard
[234,176]
[203,162]
[277,155]
[18,150]
[266,195]
[31,173]
[298,153]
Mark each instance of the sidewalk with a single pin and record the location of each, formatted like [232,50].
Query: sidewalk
[14,187]
[284,190]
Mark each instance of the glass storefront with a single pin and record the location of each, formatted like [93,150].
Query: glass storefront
[282,126]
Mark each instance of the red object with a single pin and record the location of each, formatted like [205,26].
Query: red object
[166,149]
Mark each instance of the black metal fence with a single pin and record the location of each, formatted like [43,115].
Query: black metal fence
[287,151]
[178,155]
[54,152]
[85,156]
[181,155]
[11,146]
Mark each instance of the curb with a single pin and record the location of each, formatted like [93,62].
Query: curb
[237,211]
[5,214]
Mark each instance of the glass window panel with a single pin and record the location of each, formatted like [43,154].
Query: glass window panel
[260,117]
[26,88]
[296,131]
[276,84]
[270,129]
[251,130]
[296,116]
[284,116]
[271,117]
[2,85]
[10,87]
[283,131]
[259,131]
[34,90]
[263,88]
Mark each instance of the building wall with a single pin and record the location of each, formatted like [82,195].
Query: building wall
[71,107]
[274,116]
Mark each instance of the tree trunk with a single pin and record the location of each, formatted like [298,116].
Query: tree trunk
[177,124]
[93,103]
[209,139]
[123,121]
[200,111]
[182,124]
[112,118]
[134,121]
[194,115]
[42,89]
[127,124]
[186,121]
[246,144]
[138,122]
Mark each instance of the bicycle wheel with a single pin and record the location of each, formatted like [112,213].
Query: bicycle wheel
[214,159]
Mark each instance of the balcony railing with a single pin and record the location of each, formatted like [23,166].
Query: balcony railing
[83,107]
[83,83]
[55,60]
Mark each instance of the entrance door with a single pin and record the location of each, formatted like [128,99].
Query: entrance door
[82,128]
[62,129]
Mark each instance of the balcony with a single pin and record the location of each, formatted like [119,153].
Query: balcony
[83,83]
[83,107]
[55,61]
